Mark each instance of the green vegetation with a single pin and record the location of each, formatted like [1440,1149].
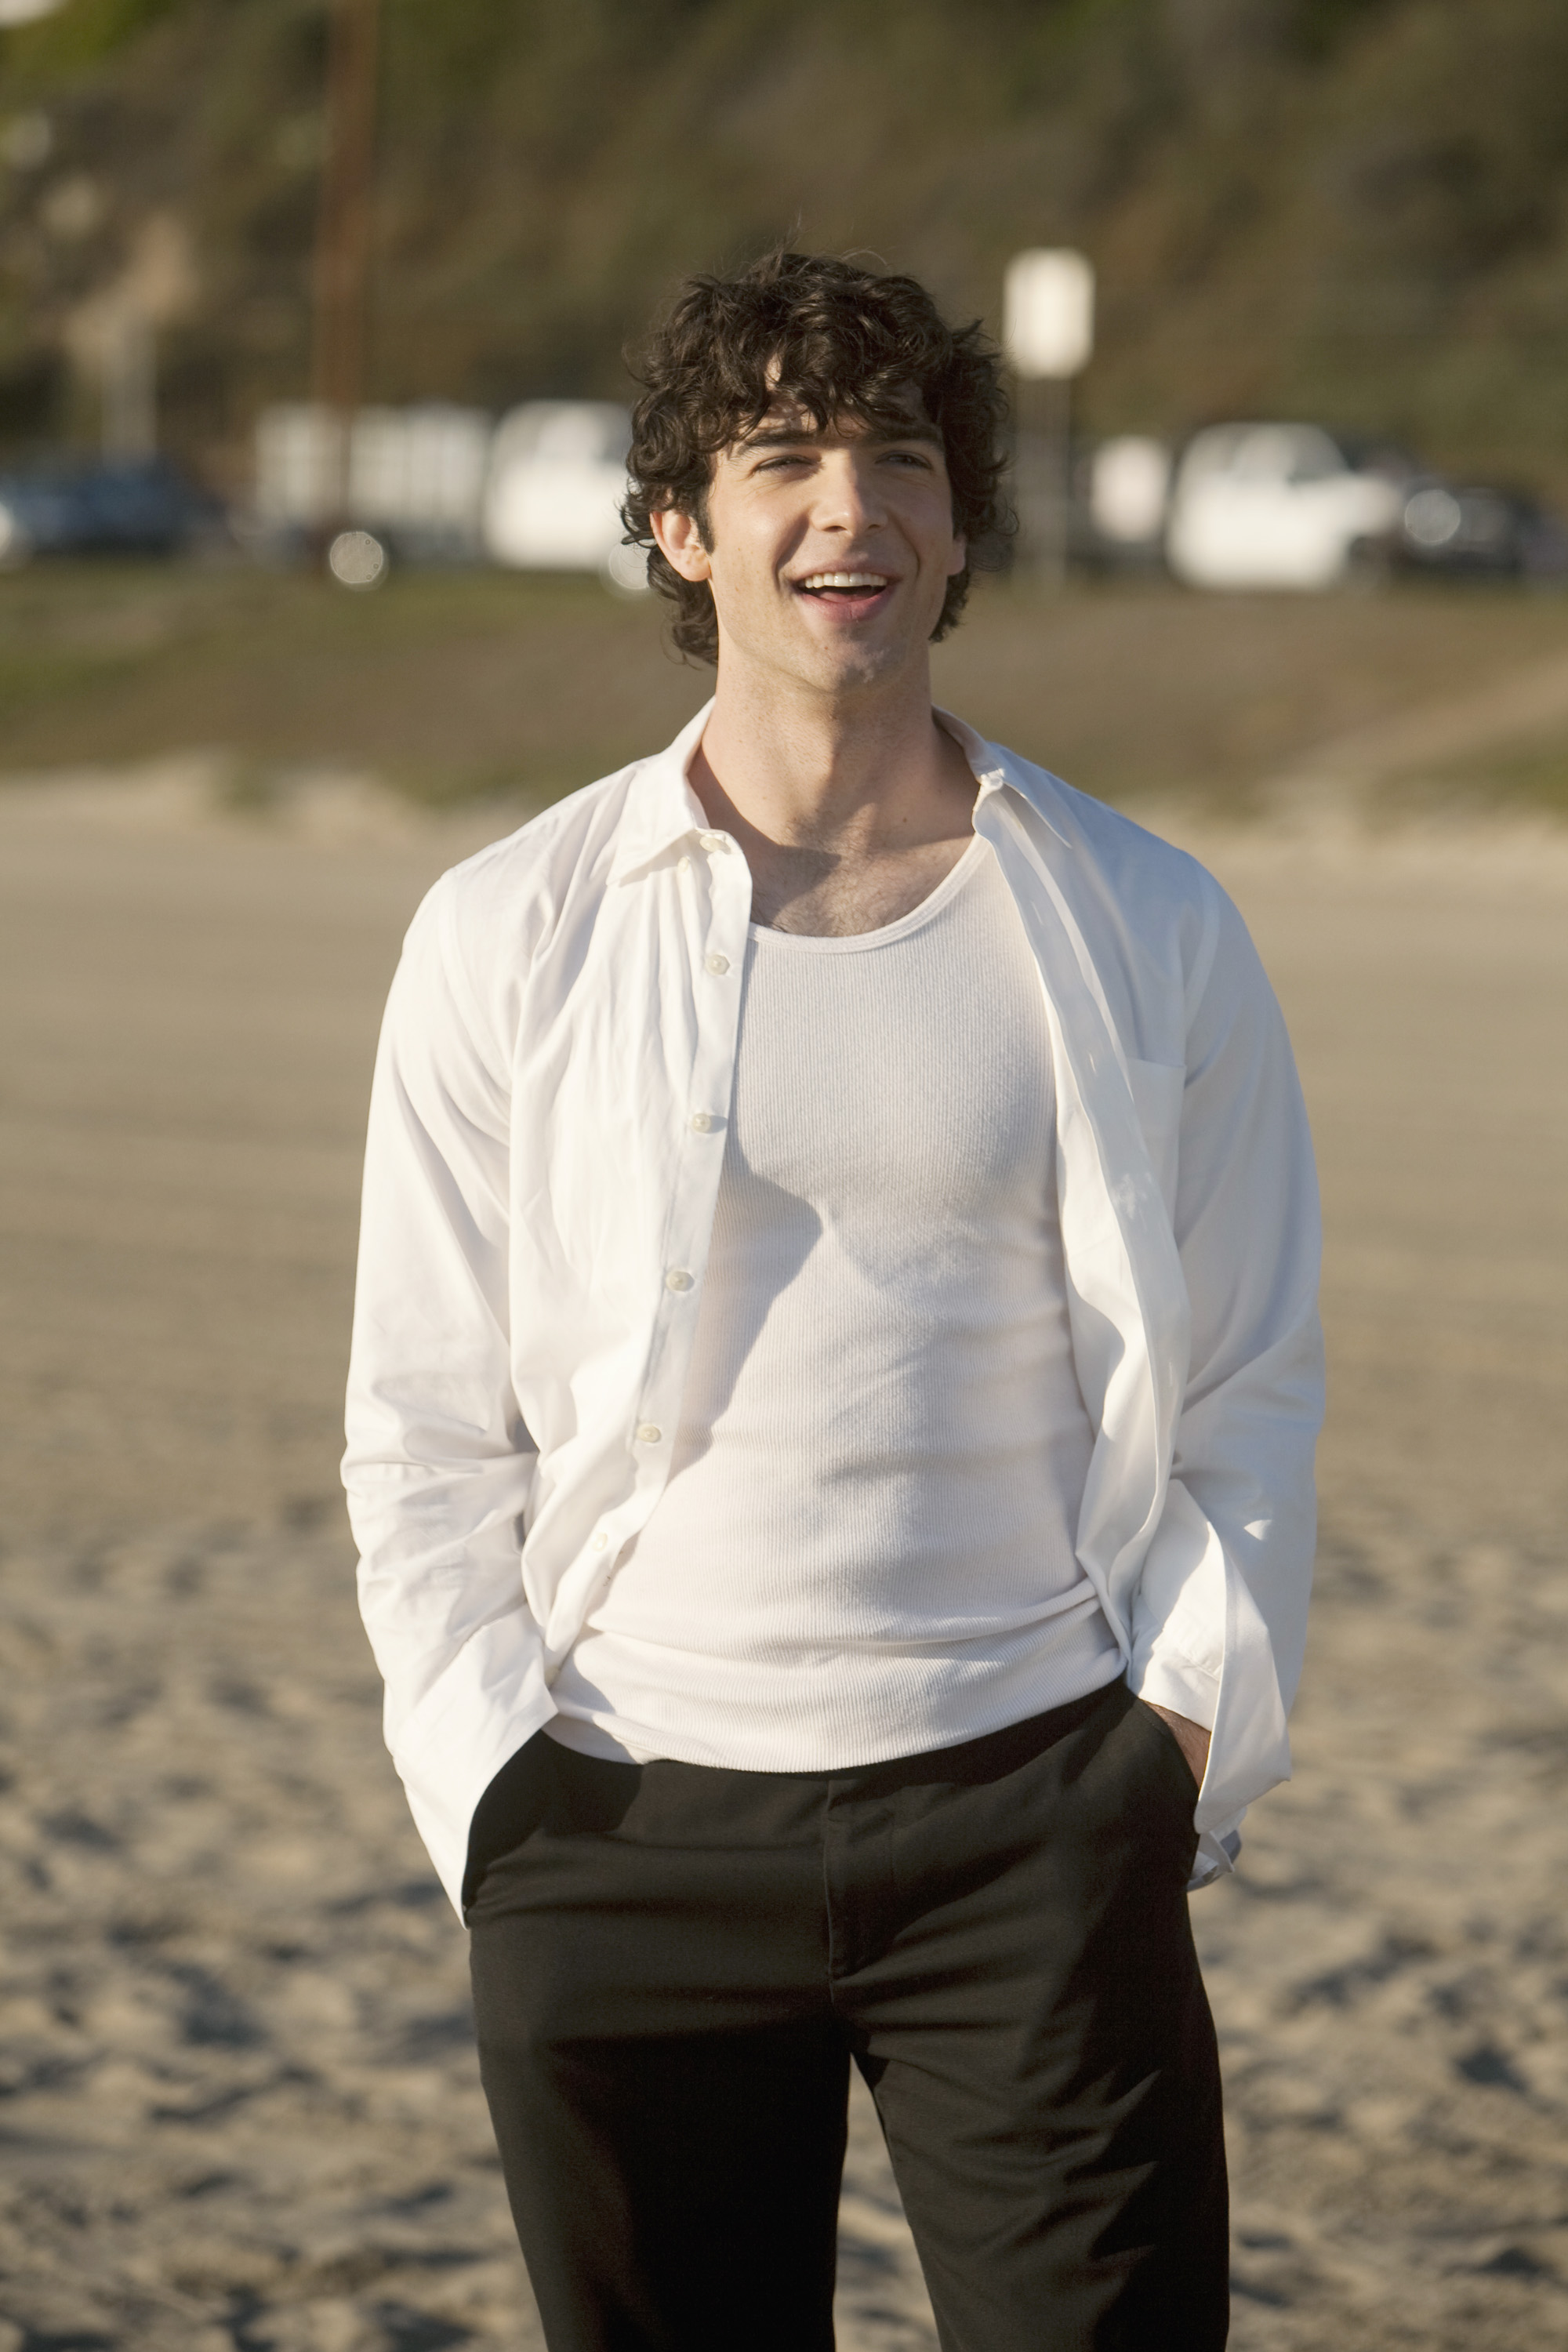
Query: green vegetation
[1354,209]
[446,684]
[1534,779]
[452,684]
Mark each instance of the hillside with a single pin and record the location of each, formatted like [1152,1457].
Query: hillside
[1350,208]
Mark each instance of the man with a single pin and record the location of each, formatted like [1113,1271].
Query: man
[836,1376]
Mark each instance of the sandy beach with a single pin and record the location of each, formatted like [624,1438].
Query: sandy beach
[238,2101]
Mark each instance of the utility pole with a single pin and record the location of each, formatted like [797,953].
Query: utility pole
[343,236]
[131,387]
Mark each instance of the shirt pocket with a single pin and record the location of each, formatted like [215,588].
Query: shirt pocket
[1157,1089]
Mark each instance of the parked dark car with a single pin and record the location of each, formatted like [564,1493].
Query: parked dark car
[1466,530]
[145,508]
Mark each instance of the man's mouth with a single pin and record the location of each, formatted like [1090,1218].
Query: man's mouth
[843,587]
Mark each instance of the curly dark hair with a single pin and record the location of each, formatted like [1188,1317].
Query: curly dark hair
[840,341]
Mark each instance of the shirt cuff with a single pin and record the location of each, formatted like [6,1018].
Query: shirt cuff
[1174,1681]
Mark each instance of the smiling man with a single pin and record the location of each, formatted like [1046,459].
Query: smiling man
[835,1383]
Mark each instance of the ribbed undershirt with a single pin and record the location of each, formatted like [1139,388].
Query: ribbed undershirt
[864,1548]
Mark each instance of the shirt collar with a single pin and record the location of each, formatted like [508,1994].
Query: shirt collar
[662,810]
[998,769]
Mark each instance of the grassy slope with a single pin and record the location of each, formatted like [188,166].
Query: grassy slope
[1350,207]
[448,683]
[453,683]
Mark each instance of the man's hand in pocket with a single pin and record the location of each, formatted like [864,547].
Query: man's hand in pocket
[1191,1738]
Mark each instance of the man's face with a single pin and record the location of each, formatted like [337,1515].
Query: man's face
[828,552]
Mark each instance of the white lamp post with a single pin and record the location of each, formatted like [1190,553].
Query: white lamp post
[1047,335]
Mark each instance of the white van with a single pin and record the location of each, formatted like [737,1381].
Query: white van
[412,476]
[1275,506]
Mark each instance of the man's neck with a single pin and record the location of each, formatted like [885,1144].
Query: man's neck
[849,810]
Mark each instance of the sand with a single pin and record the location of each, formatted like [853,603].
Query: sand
[240,2105]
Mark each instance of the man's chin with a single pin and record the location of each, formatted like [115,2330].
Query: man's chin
[832,662]
[847,664]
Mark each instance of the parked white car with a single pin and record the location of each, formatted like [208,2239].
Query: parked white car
[540,491]
[1274,506]
[552,495]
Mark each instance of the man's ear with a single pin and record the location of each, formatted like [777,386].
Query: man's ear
[680,541]
[960,557]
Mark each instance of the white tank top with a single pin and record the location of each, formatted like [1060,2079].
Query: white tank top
[866,1547]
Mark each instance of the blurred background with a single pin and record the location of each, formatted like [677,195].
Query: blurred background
[268,269]
[315,318]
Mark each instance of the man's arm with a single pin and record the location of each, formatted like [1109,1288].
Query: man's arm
[1246,1225]
[439,1465]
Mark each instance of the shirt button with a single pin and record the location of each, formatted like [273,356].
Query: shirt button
[601,1541]
[678,1279]
[648,1433]
[711,840]
[717,963]
[703,1122]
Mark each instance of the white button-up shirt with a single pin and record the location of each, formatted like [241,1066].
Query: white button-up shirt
[546,1135]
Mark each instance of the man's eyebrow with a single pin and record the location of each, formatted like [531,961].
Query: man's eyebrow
[790,437]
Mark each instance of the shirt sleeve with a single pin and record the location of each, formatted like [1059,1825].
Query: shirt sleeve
[1247,1227]
[439,1464]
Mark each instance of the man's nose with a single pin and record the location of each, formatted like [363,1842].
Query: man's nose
[848,496]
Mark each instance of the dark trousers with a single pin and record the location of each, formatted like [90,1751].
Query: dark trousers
[673,1967]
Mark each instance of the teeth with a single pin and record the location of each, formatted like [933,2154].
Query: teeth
[845,580]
